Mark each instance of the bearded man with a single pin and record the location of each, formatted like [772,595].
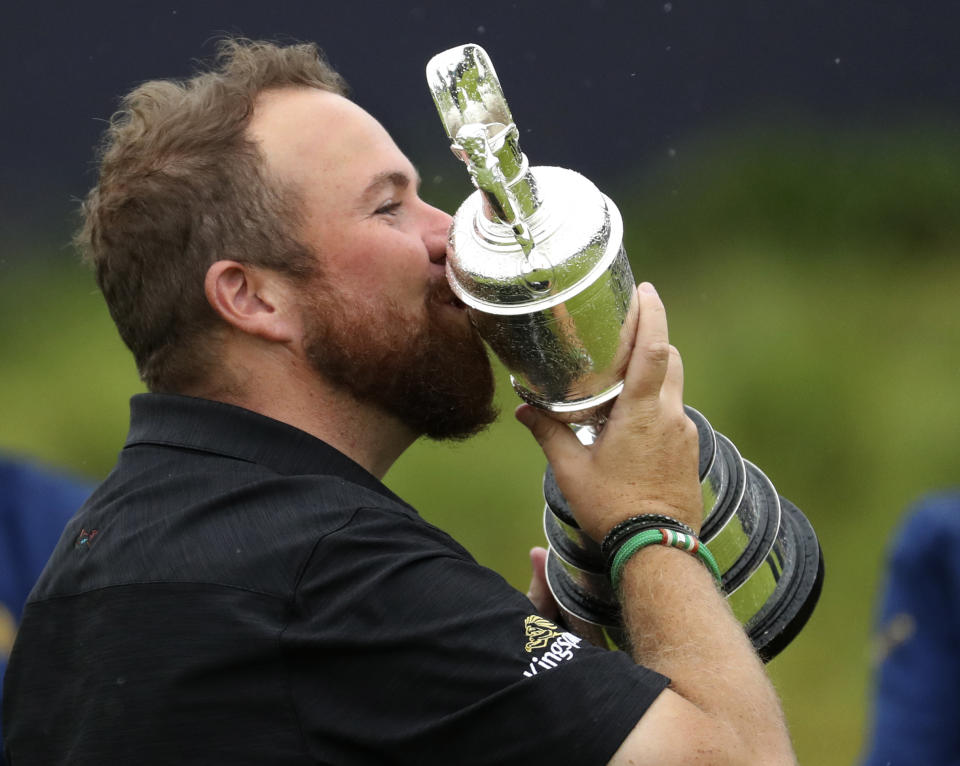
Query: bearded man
[242,588]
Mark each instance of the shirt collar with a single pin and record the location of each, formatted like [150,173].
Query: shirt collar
[224,429]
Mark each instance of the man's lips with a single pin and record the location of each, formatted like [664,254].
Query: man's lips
[440,292]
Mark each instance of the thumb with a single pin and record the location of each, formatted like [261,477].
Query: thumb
[556,439]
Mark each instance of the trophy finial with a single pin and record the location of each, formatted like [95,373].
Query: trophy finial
[466,89]
[483,135]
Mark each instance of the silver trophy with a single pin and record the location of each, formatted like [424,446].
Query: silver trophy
[537,256]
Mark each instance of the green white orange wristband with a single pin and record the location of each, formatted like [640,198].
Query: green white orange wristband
[668,537]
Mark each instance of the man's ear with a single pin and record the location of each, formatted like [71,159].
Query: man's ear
[254,300]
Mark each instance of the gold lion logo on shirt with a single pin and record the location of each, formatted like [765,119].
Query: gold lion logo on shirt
[539,632]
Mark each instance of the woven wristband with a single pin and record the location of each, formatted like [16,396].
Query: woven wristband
[668,537]
[629,527]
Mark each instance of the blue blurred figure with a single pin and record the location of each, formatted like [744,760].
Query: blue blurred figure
[35,504]
[916,716]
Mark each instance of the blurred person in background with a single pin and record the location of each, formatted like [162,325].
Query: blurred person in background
[35,504]
[242,588]
[916,700]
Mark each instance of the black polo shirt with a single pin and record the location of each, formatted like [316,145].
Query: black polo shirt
[239,592]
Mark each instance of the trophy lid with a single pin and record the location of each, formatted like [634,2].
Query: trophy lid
[577,233]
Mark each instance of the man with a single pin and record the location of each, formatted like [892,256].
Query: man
[916,696]
[242,588]
[35,503]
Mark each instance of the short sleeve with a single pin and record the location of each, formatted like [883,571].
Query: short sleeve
[405,650]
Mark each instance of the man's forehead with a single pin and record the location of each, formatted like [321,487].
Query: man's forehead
[295,109]
[300,127]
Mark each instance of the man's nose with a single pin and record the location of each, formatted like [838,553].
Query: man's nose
[437,232]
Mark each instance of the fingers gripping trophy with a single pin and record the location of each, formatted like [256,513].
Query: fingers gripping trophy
[537,256]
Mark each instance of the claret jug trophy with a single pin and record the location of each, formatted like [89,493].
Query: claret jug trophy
[537,256]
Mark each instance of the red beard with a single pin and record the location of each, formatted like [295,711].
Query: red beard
[431,371]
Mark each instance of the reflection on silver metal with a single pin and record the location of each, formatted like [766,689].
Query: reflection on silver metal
[536,253]
[537,256]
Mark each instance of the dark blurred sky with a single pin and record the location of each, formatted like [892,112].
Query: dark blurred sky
[599,86]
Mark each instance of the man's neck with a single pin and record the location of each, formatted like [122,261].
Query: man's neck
[295,394]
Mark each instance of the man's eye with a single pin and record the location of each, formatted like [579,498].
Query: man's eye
[388,208]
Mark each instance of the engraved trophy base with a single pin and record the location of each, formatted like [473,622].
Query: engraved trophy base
[767,551]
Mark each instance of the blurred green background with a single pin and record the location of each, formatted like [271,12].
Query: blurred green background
[812,282]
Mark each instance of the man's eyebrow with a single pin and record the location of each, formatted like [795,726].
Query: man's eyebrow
[395,178]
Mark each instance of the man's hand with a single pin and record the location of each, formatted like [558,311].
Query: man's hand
[646,457]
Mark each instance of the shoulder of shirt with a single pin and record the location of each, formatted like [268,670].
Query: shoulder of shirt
[402,520]
[252,530]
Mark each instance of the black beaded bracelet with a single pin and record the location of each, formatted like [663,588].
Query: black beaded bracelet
[632,526]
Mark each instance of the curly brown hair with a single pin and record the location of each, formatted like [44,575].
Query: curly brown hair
[181,186]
